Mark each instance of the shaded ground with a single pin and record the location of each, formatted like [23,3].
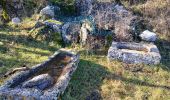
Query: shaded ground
[95,77]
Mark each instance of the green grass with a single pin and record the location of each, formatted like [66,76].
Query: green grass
[95,76]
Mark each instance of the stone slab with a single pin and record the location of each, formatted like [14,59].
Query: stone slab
[136,53]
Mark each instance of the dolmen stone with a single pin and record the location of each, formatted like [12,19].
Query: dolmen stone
[134,53]
[45,81]
[40,82]
[148,36]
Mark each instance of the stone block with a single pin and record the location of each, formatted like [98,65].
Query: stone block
[136,53]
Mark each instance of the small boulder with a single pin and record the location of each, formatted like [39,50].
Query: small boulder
[41,82]
[16,20]
[48,11]
[148,36]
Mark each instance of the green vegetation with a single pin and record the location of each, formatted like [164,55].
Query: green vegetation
[67,6]
[4,12]
[114,80]
[95,76]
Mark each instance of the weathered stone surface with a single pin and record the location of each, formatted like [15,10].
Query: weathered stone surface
[148,36]
[84,7]
[41,82]
[104,15]
[124,25]
[13,86]
[70,32]
[16,20]
[134,53]
[86,29]
[48,11]
[109,16]
[54,24]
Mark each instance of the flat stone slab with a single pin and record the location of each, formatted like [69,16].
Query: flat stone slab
[45,81]
[136,53]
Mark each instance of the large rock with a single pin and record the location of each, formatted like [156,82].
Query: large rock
[134,53]
[54,24]
[104,15]
[41,82]
[148,36]
[70,32]
[48,11]
[109,16]
[77,31]
[84,7]
[86,29]
[124,25]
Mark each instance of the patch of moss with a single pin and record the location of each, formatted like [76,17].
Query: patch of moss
[55,22]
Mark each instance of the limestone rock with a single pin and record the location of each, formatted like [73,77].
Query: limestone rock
[41,82]
[124,25]
[70,32]
[84,7]
[104,15]
[134,53]
[54,24]
[16,20]
[85,30]
[148,36]
[48,11]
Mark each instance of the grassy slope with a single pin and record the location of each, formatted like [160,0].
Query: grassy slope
[95,76]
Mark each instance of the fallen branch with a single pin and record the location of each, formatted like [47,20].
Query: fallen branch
[16,70]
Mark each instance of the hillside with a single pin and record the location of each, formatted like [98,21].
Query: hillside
[31,42]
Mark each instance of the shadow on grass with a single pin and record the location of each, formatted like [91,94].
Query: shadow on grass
[9,28]
[27,41]
[89,78]
[164,48]
[9,63]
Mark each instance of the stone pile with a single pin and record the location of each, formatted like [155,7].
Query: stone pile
[98,23]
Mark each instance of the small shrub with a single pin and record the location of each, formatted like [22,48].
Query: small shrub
[67,6]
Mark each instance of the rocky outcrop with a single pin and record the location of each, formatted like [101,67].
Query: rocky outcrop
[110,16]
[48,11]
[124,25]
[70,32]
[53,24]
[134,53]
[84,7]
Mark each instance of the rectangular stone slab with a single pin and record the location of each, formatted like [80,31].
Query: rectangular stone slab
[136,53]
[12,88]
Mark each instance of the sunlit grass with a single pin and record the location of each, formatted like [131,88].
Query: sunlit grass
[112,80]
